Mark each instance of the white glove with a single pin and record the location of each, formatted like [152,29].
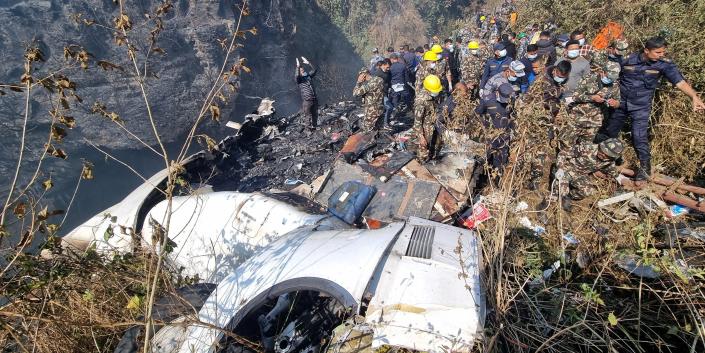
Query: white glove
[482,92]
[297,62]
[569,100]
[305,61]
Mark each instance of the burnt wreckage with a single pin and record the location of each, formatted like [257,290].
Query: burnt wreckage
[306,241]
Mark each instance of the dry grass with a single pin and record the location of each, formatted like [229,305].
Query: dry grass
[600,307]
[74,303]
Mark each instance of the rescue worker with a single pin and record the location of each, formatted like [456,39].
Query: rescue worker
[375,59]
[495,65]
[382,70]
[537,68]
[561,42]
[508,41]
[578,166]
[471,66]
[442,69]
[304,79]
[371,89]
[532,53]
[615,51]
[596,95]
[640,75]
[427,67]
[425,115]
[544,98]
[495,113]
[586,50]
[450,54]
[511,74]
[438,67]
[580,66]
[399,93]
[546,47]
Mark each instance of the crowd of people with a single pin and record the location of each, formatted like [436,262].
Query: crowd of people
[580,97]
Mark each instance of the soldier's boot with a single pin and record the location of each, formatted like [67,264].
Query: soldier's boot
[644,171]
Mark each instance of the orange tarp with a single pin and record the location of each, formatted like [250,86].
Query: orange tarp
[608,33]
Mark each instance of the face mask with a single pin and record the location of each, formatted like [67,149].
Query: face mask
[305,74]
[559,79]
[434,94]
[512,78]
[502,53]
[450,49]
[606,80]
[581,41]
[573,53]
[532,56]
[473,52]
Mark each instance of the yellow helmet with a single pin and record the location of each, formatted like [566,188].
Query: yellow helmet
[430,56]
[437,49]
[473,45]
[482,18]
[432,84]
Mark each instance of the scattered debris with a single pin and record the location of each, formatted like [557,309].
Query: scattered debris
[635,266]
[471,218]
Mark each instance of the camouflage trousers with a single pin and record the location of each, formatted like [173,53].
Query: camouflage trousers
[539,156]
[576,186]
[426,140]
[572,134]
[370,120]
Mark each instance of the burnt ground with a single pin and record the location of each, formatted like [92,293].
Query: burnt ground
[269,151]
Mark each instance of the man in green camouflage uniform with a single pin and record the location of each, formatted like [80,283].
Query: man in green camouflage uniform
[371,89]
[538,110]
[615,51]
[429,66]
[471,66]
[425,116]
[595,96]
[578,166]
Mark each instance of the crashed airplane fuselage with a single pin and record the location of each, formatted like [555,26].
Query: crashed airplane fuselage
[294,278]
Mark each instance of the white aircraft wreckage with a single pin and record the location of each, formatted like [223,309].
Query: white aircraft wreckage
[351,265]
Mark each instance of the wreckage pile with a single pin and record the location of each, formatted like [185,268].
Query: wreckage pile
[273,154]
[623,269]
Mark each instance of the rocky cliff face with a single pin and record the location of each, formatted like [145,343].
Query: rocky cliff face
[187,70]
[178,80]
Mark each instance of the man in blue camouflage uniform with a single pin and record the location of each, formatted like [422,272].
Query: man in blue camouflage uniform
[499,126]
[640,75]
[496,64]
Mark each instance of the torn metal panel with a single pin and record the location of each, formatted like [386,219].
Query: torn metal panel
[356,145]
[384,166]
[446,204]
[399,199]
